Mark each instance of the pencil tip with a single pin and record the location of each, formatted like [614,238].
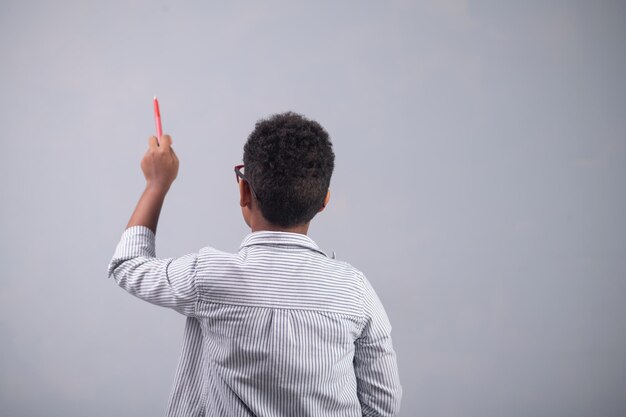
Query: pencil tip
[155,98]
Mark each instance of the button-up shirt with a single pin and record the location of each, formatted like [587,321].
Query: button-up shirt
[276,329]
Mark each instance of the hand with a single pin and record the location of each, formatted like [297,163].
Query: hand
[160,163]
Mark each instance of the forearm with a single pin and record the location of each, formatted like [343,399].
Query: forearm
[148,208]
[378,384]
[375,364]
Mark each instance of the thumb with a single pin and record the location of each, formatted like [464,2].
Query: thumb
[153,143]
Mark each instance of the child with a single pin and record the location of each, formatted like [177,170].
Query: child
[278,328]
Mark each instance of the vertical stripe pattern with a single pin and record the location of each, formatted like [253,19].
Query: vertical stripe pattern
[276,329]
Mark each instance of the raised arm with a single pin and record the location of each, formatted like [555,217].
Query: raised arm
[160,167]
[166,282]
[134,266]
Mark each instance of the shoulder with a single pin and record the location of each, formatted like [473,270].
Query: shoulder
[347,272]
[209,255]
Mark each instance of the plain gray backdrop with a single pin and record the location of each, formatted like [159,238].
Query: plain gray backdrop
[479,184]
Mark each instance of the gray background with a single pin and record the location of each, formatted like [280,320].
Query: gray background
[481,150]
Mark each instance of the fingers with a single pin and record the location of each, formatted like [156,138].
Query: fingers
[164,145]
[166,140]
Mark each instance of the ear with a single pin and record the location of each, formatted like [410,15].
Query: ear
[245,195]
[325,201]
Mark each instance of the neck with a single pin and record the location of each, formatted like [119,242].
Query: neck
[259,224]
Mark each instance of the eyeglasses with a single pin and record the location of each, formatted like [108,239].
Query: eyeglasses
[239,175]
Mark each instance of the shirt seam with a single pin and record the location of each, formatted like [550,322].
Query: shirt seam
[364,316]
[280,308]
[285,245]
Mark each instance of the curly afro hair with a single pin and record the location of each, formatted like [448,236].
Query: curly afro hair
[289,161]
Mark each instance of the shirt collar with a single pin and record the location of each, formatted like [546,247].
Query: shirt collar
[267,237]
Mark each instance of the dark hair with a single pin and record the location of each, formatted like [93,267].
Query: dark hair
[289,161]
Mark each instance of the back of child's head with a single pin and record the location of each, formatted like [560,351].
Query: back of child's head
[289,161]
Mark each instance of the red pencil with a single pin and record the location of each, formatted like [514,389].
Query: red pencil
[157,119]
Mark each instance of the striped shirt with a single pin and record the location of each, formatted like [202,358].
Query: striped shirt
[276,329]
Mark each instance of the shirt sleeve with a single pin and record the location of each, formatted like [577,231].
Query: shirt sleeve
[165,282]
[375,365]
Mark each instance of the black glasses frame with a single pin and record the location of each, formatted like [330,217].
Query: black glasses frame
[240,176]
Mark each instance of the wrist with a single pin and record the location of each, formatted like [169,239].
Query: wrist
[157,188]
